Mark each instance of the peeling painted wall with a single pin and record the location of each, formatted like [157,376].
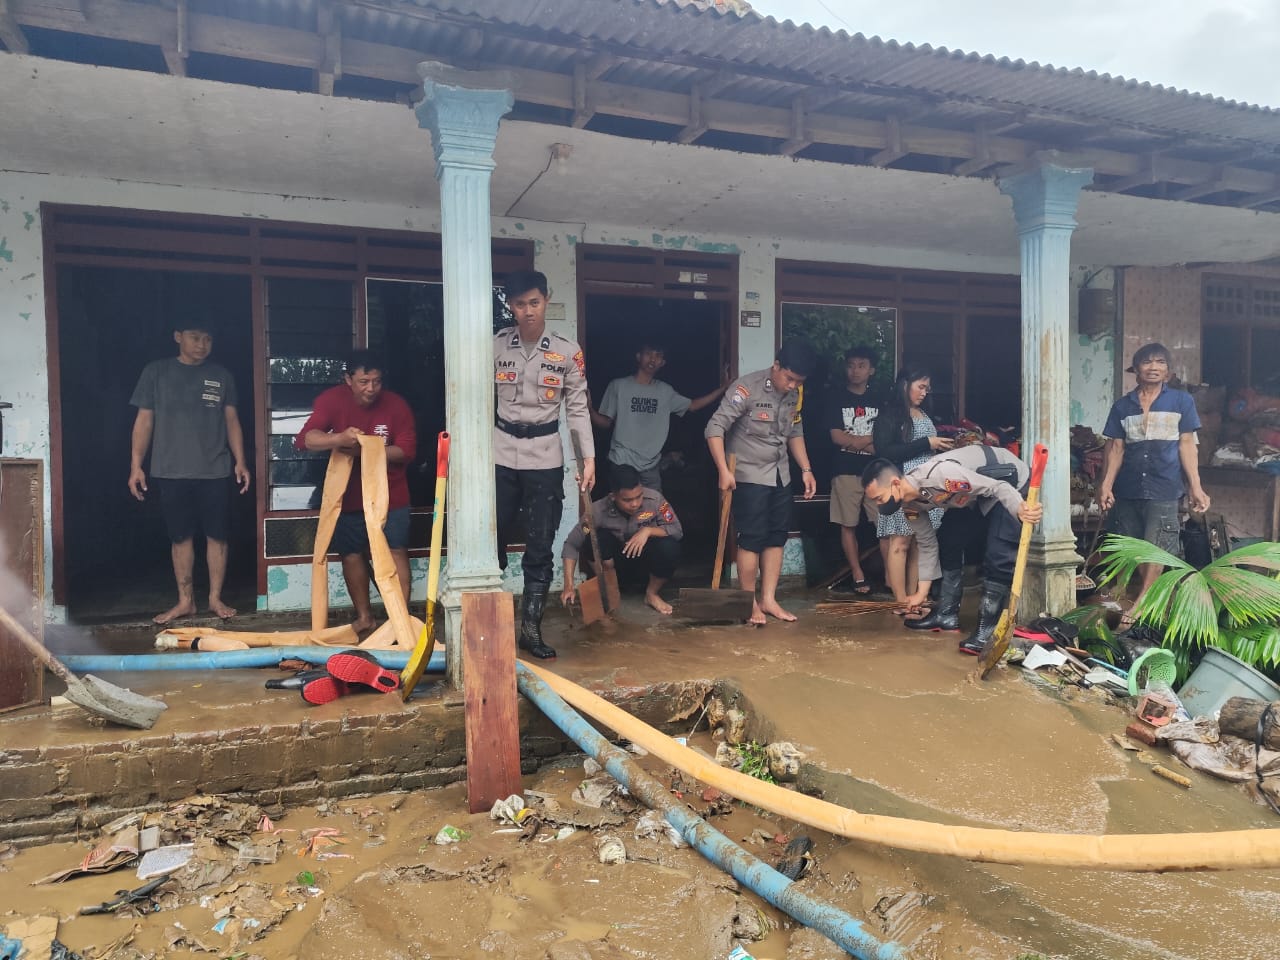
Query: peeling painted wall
[1092,356]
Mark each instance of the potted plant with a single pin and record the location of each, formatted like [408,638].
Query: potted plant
[1229,610]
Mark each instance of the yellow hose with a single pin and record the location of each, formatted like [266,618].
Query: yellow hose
[1158,852]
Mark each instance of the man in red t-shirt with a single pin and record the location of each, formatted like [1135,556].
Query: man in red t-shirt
[340,415]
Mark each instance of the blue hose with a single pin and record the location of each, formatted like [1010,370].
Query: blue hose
[754,874]
[224,659]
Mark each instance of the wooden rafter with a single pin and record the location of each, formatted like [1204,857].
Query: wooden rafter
[892,149]
[15,41]
[981,160]
[696,126]
[1259,200]
[799,138]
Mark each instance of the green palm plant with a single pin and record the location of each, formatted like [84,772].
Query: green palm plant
[1232,604]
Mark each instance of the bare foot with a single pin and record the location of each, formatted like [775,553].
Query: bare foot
[184,608]
[363,625]
[774,610]
[757,616]
[221,610]
[655,601]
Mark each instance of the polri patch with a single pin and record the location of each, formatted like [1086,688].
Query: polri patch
[580,362]
[666,513]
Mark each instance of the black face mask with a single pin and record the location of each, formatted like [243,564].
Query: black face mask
[890,506]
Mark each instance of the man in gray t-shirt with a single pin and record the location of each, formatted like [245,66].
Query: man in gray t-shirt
[639,409]
[187,417]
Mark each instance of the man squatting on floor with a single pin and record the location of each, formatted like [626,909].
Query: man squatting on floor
[534,372]
[952,481]
[635,527]
[759,421]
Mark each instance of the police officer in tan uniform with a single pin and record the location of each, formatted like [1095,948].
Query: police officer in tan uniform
[952,481]
[634,525]
[534,373]
[759,421]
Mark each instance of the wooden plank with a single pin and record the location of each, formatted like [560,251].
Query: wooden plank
[22,536]
[15,40]
[489,694]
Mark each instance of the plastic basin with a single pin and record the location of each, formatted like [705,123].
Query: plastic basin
[1218,678]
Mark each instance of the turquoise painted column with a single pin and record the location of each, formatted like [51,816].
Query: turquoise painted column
[462,111]
[1044,205]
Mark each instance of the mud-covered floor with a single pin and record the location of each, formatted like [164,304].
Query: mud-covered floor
[890,724]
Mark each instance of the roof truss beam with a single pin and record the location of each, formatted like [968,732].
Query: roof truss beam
[799,138]
[15,40]
[888,140]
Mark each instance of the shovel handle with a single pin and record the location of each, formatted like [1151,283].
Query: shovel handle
[34,646]
[726,502]
[585,499]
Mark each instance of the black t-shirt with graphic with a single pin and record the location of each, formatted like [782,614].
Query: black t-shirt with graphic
[855,414]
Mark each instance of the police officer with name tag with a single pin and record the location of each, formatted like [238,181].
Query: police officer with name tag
[977,476]
[534,373]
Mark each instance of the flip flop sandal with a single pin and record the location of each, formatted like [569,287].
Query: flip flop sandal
[360,666]
[297,681]
[324,689]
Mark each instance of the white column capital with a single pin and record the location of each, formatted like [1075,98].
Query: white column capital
[1045,195]
[463,119]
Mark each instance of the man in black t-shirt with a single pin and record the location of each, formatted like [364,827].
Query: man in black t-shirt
[851,416]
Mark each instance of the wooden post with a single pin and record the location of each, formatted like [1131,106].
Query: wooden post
[489,693]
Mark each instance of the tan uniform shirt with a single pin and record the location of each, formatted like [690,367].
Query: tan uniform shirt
[756,420]
[654,512]
[530,381]
[950,480]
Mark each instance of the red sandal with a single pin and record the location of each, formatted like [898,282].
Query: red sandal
[360,666]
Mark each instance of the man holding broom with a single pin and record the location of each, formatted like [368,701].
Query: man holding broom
[956,479]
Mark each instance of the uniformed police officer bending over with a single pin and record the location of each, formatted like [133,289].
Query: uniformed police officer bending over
[759,421]
[951,481]
[535,372]
[634,525]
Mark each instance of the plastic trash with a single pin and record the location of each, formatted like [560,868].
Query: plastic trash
[610,850]
[451,834]
[653,825]
[510,810]
[738,953]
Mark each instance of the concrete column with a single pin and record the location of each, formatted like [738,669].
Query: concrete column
[462,111]
[1044,198]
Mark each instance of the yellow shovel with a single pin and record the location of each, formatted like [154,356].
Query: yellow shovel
[413,670]
[998,643]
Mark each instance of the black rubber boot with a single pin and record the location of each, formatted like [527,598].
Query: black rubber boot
[946,615]
[994,597]
[531,606]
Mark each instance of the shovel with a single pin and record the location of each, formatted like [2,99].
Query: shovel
[599,595]
[999,640]
[716,605]
[100,698]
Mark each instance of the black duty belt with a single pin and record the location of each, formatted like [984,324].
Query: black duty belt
[527,431]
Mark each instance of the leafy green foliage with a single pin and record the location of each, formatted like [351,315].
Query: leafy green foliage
[755,762]
[1232,604]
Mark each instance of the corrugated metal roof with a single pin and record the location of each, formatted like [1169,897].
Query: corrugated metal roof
[697,35]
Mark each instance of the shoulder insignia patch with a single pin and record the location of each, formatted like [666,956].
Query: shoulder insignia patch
[741,393]
[580,362]
[958,486]
[666,513]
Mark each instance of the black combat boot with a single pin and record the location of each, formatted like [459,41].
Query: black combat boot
[994,597]
[946,615]
[531,607]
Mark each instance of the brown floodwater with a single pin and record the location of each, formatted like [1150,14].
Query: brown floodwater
[891,725]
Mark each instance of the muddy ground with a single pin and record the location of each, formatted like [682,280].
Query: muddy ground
[890,726]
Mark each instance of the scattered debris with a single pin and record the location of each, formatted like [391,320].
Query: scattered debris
[610,850]
[165,860]
[653,825]
[796,858]
[131,902]
[451,834]
[511,810]
[112,853]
